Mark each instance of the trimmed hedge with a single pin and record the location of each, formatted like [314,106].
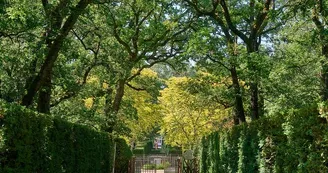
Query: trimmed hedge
[297,142]
[41,144]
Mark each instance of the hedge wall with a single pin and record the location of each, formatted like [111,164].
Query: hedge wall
[123,155]
[297,142]
[36,143]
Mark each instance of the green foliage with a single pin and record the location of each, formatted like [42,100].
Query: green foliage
[138,151]
[24,140]
[163,165]
[174,150]
[121,40]
[144,122]
[149,166]
[72,144]
[148,147]
[296,142]
[156,166]
[187,116]
[38,143]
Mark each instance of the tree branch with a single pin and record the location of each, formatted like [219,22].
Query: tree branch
[271,29]
[52,55]
[3,34]
[216,61]
[200,12]
[135,88]
[147,66]
[71,94]
[45,4]
[82,42]
[223,103]
[118,38]
[316,20]
[260,19]
[230,24]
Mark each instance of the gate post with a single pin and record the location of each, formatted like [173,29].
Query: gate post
[195,165]
[131,167]
[133,164]
[179,165]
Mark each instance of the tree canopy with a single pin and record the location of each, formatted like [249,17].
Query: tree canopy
[183,69]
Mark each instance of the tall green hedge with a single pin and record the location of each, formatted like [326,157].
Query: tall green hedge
[123,155]
[296,142]
[40,144]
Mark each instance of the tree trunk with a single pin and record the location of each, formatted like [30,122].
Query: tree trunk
[112,107]
[239,107]
[44,96]
[317,13]
[45,90]
[108,101]
[252,47]
[261,104]
[324,74]
[235,117]
[254,101]
[119,95]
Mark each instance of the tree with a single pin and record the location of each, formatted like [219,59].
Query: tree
[293,80]
[148,33]
[249,22]
[218,54]
[147,119]
[187,117]
[61,19]
[317,12]
[20,22]
[319,18]
[41,34]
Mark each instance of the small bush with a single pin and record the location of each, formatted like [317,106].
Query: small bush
[154,166]
[163,165]
[149,166]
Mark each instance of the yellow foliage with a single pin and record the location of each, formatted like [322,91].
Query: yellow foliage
[105,85]
[92,79]
[88,103]
[223,82]
[147,112]
[186,117]
[147,72]
[170,24]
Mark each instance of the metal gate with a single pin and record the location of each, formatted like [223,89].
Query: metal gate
[189,166]
[155,164]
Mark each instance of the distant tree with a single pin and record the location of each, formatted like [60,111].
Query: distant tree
[187,117]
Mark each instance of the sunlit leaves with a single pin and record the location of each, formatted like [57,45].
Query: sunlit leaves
[187,117]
